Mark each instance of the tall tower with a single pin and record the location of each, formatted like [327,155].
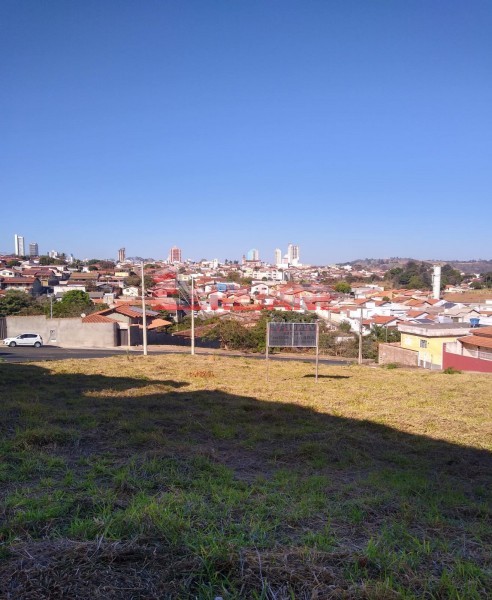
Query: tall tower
[278,256]
[33,249]
[293,254]
[19,245]
[436,282]
[253,254]
[175,255]
[121,255]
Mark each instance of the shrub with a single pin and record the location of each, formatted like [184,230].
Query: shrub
[452,371]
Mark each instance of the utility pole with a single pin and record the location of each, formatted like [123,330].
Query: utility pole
[360,335]
[192,315]
[144,314]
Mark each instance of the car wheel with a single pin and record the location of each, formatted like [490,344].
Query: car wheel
[12,344]
[37,344]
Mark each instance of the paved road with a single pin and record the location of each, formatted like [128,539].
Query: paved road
[21,354]
[28,354]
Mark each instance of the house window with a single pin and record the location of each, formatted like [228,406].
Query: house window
[423,343]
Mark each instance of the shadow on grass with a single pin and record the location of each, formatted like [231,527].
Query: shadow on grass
[34,376]
[313,376]
[227,492]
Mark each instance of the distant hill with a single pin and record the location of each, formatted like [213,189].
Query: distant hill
[464,266]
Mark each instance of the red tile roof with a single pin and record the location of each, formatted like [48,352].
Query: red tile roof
[97,318]
[21,280]
[384,320]
[485,331]
[158,323]
[476,340]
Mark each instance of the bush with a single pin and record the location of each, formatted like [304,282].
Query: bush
[452,371]
[391,366]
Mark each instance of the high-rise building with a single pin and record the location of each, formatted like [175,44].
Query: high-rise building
[175,255]
[253,254]
[19,245]
[278,256]
[33,249]
[293,254]
[121,255]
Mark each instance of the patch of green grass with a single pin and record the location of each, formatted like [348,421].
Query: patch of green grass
[452,371]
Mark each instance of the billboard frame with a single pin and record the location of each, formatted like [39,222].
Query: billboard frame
[292,345]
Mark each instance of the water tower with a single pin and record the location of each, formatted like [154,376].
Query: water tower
[436,282]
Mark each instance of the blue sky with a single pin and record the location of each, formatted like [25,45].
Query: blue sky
[354,128]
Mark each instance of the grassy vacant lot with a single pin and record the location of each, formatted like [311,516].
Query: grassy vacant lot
[192,477]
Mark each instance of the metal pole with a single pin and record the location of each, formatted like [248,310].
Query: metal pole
[192,315]
[51,306]
[360,336]
[317,350]
[144,315]
[267,346]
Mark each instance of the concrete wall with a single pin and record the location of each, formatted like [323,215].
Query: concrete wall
[394,353]
[65,332]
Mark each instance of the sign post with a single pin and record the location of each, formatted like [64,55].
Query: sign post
[292,335]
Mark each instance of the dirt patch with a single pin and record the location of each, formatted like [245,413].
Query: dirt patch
[66,569]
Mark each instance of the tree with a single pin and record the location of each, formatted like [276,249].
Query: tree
[345,327]
[385,334]
[233,335]
[73,304]
[450,276]
[15,302]
[343,287]
[136,281]
[487,279]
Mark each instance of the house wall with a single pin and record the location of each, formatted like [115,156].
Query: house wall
[389,353]
[465,363]
[434,350]
[65,332]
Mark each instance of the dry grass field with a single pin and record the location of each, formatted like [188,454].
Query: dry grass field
[194,477]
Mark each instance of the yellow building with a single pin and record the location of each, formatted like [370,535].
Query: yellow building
[427,341]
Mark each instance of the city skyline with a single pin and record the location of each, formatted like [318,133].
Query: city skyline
[291,257]
[357,129]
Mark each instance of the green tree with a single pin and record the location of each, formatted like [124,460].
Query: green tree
[385,334]
[487,279]
[15,302]
[343,287]
[414,275]
[232,335]
[345,327]
[450,276]
[136,280]
[73,304]
[236,336]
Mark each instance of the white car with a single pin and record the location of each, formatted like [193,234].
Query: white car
[24,339]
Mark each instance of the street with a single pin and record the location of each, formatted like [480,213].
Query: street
[24,354]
